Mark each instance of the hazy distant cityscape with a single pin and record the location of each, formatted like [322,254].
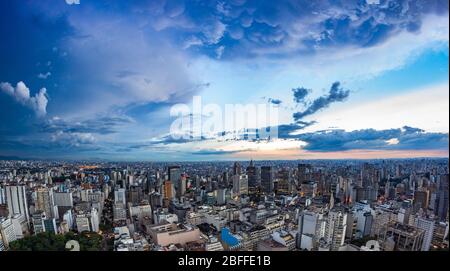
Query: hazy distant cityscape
[310,205]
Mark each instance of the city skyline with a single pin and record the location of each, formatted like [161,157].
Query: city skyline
[95,80]
[292,206]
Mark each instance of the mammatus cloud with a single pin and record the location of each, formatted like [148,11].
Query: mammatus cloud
[21,93]
[336,94]
[287,28]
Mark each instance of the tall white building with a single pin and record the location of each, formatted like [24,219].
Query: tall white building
[95,220]
[428,226]
[240,184]
[88,221]
[16,198]
[82,222]
[2,195]
[336,227]
[120,196]
[38,222]
[63,199]
[7,231]
[310,229]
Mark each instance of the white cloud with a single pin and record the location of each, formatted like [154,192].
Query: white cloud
[21,93]
[73,2]
[73,139]
[133,67]
[44,75]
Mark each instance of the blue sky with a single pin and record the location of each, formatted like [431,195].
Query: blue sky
[97,79]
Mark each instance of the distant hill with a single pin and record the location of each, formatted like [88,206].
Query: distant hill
[12,158]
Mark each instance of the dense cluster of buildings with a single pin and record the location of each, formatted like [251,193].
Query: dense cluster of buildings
[390,205]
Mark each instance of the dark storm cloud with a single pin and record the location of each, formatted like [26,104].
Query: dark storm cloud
[300,94]
[341,140]
[336,94]
[275,101]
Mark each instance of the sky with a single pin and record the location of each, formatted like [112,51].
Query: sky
[121,80]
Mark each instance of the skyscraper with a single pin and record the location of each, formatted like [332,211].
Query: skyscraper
[17,201]
[174,174]
[120,196]
[267,179]
[421,199]
[428,226]
[252,177]
[7,231]
[45,202]
[441,209]
[336,227]
[38,219]
[304,173]
[237,170]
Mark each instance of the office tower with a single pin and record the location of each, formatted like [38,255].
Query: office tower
[398,171]
[63,199]
[38,221]
[240,184]
[267,179]
[304,173]
[221,196]
[135,194]
[94,220]
[17,201]
[168,189]
[7,231]
[119,211]
[428,226]
[174,174]
[68,217]
[308,189]
[336,227]
[120,196]
[141,211]
[252,177]
[237,169]
[364,216]
[225,179]
[421,200]
[401,237]
[181,189]
[283,182]
[45,202]
[441,208]
[50,225]
[2,194]
[310,229]
[82,223]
